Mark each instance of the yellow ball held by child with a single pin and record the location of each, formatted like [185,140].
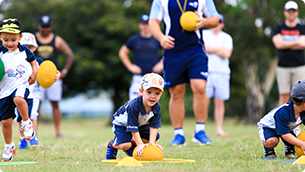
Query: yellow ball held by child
[297,149]
[150,153]
[188,21]
[46,73]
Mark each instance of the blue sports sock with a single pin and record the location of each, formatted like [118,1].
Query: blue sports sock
[179,131]
[200,126]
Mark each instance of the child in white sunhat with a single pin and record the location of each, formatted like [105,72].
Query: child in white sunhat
[136,123]
[33,101]
[282,121]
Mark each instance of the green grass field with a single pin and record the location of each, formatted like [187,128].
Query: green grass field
[84,148]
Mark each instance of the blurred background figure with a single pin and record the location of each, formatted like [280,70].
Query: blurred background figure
[219,46]
[289,39]
[146,55]
[49,47]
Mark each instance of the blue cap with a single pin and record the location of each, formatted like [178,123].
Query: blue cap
[144,18]
[221,19]
[45,20]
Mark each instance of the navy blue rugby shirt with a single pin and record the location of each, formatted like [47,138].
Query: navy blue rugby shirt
[282,119]
[133,115]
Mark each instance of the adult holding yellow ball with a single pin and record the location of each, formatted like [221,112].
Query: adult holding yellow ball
[184,58]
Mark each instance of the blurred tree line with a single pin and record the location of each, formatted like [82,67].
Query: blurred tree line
[96,29]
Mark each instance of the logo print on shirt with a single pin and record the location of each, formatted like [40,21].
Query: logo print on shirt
[18,73]
[193,4]
[145,118]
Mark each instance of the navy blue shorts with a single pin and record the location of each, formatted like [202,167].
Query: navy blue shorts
[121,136]
[266,133]
[180,69]
[7,105]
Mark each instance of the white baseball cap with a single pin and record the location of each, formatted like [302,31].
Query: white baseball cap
[152,80]
[291,5]
[28,39]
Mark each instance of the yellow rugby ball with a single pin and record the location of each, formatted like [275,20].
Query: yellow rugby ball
[46,73]
[150,153]
[188,21]
[297,149]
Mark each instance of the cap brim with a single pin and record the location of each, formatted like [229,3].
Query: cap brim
[153,86]
[10,30]
[291,9]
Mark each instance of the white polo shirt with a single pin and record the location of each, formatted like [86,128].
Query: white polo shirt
[16,73]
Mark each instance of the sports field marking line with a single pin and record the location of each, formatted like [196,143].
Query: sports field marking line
[16,163]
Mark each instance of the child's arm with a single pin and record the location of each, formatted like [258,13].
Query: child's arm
[139,142]
[33,76]
[295,141]
[153,136]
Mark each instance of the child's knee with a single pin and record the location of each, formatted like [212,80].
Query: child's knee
[19,100]
[7,123]
[123,146]
[271,142]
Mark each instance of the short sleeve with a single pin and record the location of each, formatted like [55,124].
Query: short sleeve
[281,118]
[132,117]
[156,10]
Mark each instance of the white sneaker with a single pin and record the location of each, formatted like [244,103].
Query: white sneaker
[28,130]
[8,153]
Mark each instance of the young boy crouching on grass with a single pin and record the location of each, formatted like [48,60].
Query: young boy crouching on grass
[282,121]
[139,119]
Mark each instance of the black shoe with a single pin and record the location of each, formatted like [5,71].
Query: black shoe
[269,152]
[289,151]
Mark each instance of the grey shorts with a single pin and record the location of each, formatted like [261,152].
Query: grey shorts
[288,76]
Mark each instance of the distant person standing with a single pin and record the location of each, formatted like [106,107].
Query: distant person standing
[49,46]
[146,56]
[289,39]
[219,46]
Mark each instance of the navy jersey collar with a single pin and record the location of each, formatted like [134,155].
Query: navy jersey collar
[142,108]
[4,50]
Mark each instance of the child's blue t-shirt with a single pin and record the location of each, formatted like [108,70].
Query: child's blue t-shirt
[282,119]
[132,115]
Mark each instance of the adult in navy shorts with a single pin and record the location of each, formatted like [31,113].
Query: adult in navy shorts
[184,60]
[146,51]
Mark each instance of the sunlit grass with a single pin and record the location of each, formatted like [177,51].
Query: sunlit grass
[84,148]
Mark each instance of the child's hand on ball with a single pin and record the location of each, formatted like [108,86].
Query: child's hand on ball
[140,148]
[159,146]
